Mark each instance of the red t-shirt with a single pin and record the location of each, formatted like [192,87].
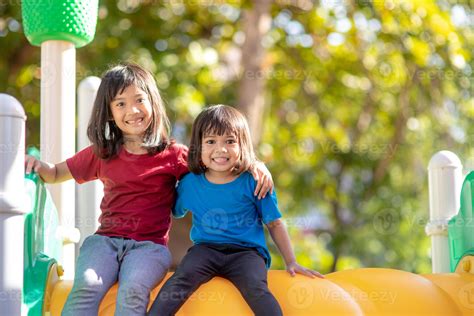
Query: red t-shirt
[139,190]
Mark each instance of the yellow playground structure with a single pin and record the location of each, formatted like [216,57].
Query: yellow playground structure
[37,236]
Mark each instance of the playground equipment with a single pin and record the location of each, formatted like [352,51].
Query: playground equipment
[38,287]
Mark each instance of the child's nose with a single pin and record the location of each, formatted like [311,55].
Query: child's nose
[222,148]
[134,109]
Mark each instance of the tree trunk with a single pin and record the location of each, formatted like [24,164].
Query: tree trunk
[256,23]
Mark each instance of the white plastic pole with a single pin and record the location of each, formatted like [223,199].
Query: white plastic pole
[88,195]
[445,180]
[58,76]
[12,206]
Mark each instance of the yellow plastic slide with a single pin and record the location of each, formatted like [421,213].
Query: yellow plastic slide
[375,292]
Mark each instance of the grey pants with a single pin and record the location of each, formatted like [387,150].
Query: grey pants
[138,266]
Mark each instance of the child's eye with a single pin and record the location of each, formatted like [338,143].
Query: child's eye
[141,100]
[210,141]
[231,141]
[119,104]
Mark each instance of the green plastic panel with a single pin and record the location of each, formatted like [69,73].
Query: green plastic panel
[42,248]
[461,226]
[66,20]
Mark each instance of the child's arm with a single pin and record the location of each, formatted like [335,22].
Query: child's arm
[280,236]
[50,173]
[179,210]
[262,175]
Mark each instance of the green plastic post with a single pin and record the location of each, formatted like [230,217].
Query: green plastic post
[65,20]
[461,226]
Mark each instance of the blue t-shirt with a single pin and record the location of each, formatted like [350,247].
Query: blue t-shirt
[226,213]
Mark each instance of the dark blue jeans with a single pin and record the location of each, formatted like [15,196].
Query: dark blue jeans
[244,267]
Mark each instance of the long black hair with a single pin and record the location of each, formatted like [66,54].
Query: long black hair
[102,131]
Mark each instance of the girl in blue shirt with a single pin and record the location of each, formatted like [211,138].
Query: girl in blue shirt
[228,218]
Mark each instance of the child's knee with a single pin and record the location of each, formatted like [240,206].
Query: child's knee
[133,294]
[132,299]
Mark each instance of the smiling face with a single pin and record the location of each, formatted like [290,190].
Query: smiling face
[220,129]
[132,112]
[220,154]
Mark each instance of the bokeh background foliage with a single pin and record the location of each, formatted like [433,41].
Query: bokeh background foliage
[352,100]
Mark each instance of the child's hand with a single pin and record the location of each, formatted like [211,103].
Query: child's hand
[294,268]
[264,179]
[31,164]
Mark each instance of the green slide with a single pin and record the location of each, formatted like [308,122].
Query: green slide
[461,226]
[42,248]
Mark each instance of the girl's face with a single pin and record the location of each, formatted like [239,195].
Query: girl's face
[220,154]
[132,111]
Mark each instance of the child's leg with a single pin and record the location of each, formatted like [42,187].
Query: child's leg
[96,271]
[143,265]
[198,266]
[247,271]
